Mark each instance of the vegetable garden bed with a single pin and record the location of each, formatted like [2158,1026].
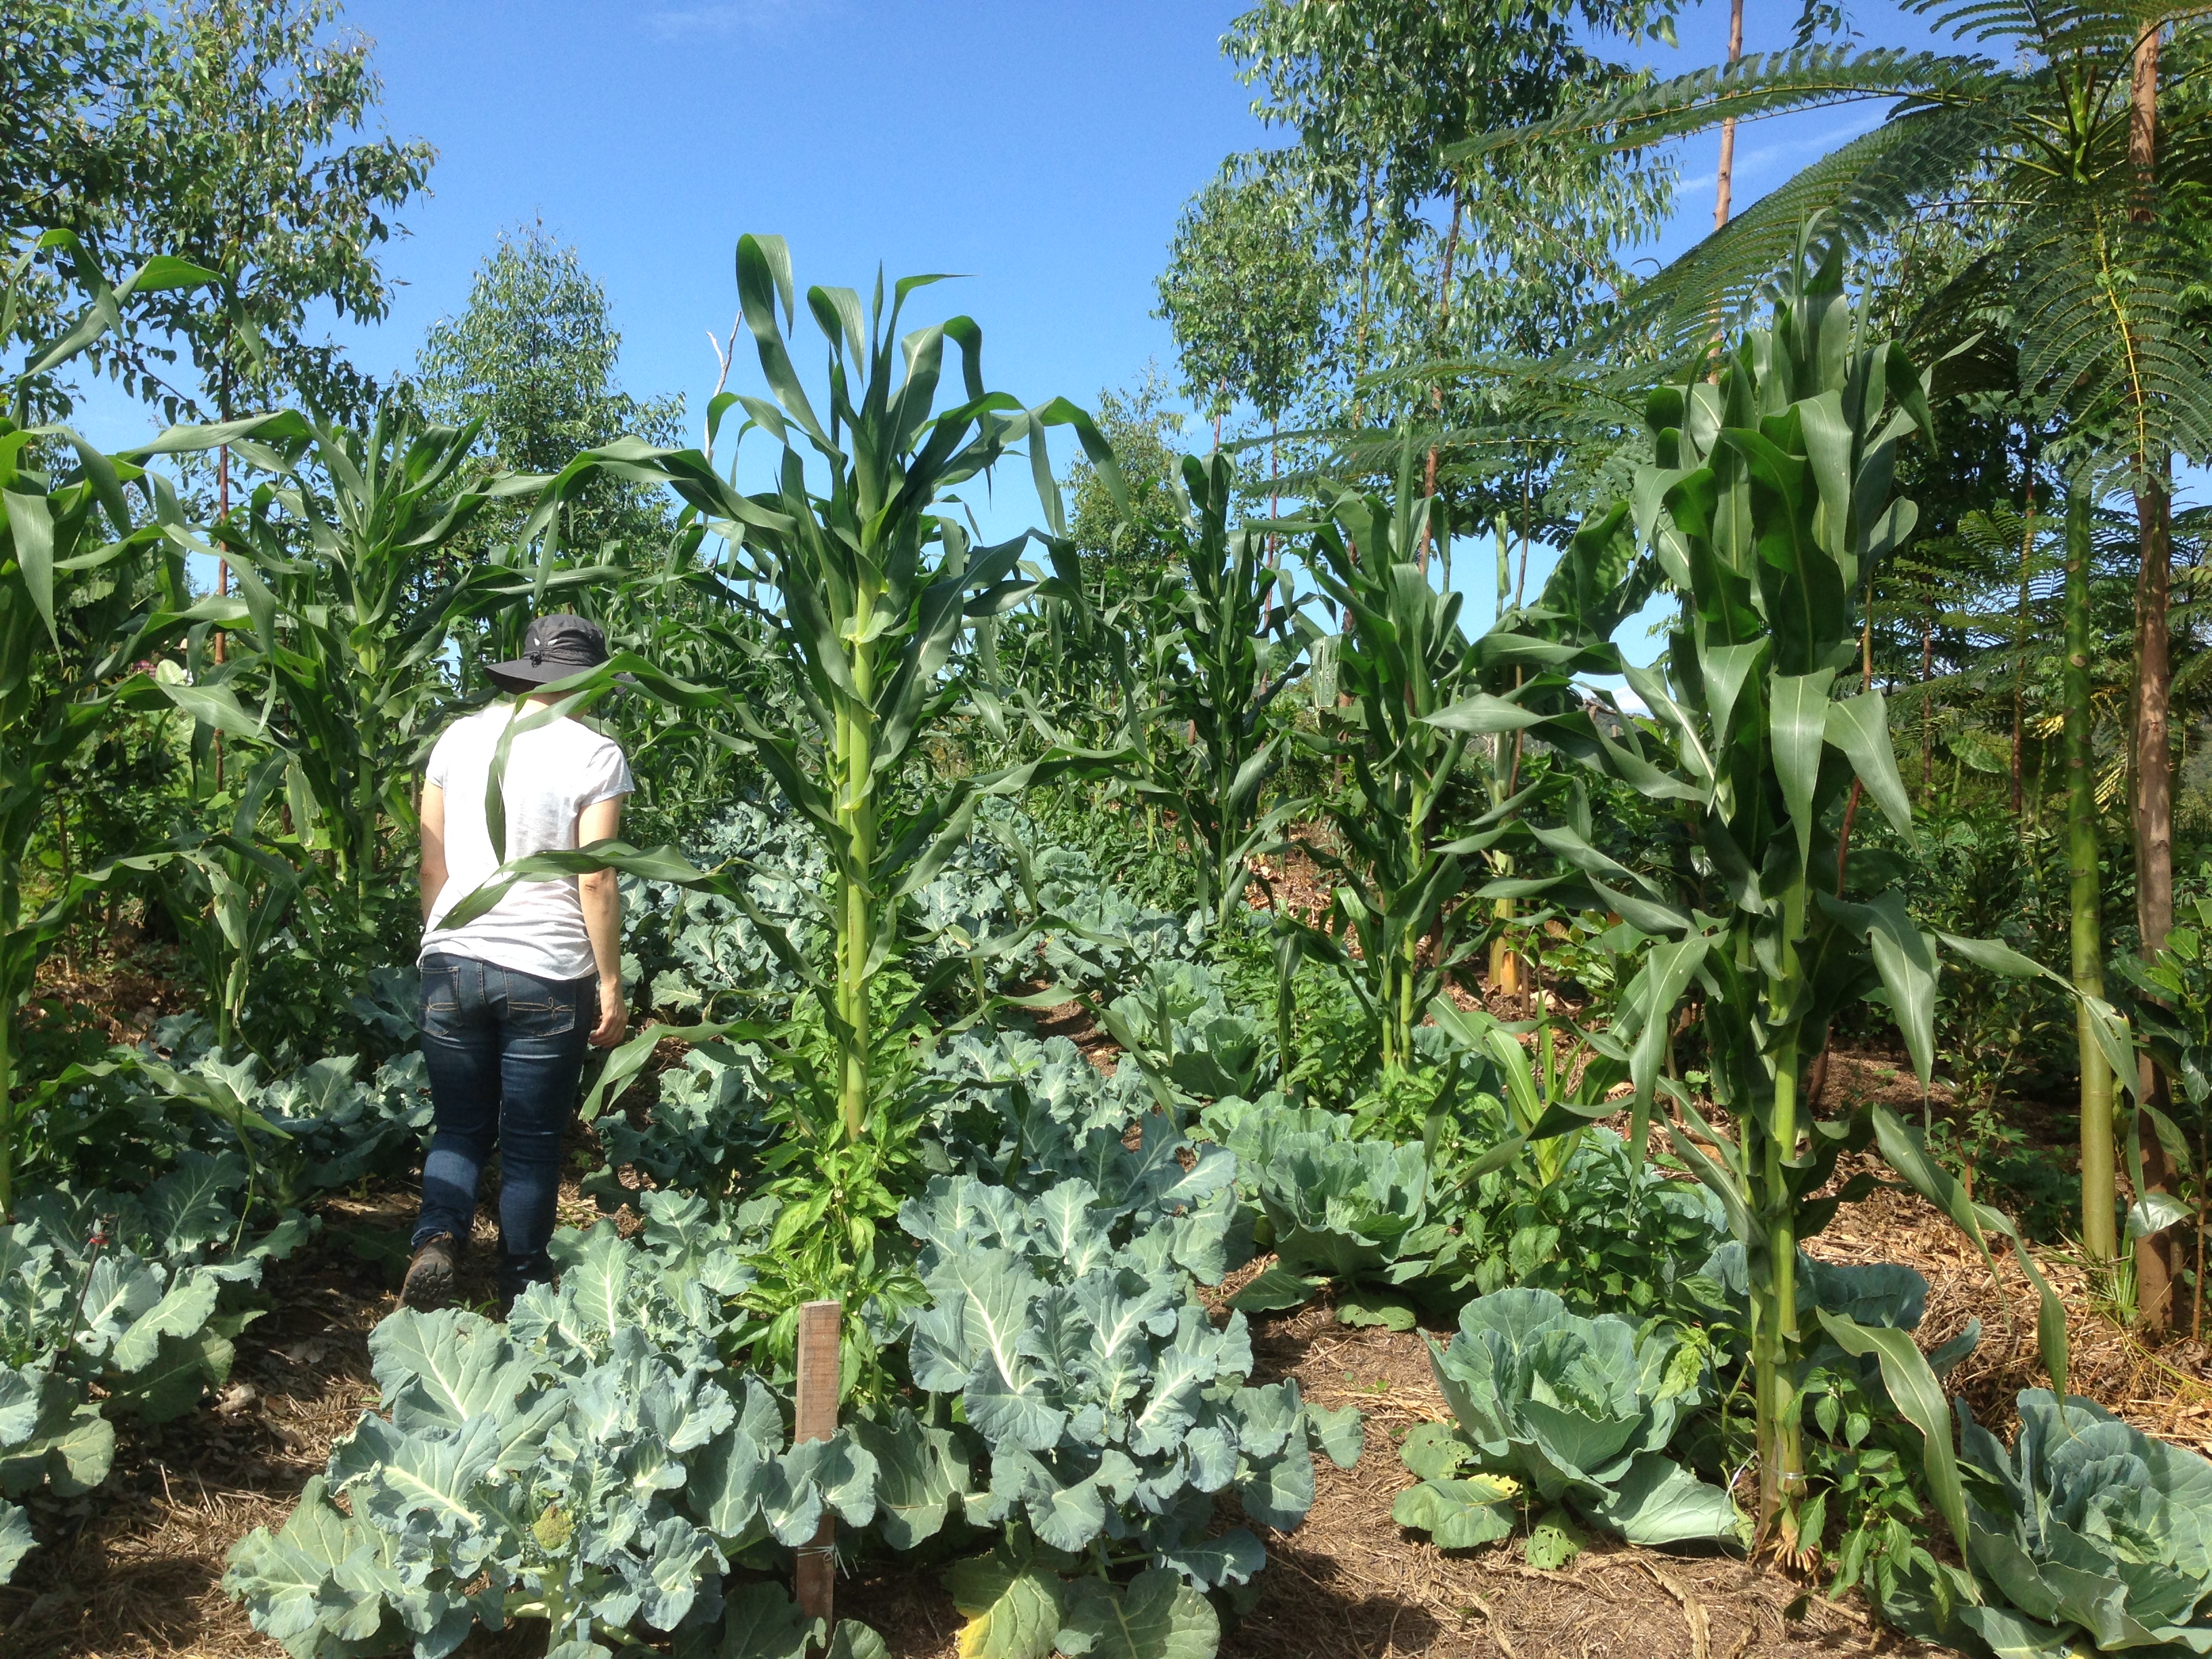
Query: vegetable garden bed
[138,1566]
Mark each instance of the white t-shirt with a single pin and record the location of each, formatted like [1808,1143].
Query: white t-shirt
[553,773]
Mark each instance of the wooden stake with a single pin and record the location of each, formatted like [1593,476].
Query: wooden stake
[820,1325]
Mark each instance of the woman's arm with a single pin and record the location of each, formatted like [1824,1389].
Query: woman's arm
[433,846]
[602,895]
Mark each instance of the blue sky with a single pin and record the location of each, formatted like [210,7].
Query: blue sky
[1043,149]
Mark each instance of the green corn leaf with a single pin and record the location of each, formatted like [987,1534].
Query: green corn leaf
[1919,1396]
[1798,710]
[1904,1153]
[31,526]
[1860,727]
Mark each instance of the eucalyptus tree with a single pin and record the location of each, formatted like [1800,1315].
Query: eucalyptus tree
[1246,293]
[248,104]
[531,366]
[1431,257]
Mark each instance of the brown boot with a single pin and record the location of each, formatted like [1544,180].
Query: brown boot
[429,1281]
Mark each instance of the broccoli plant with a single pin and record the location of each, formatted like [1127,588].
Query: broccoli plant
[1108,1409]
[592,1463]
[139,1295]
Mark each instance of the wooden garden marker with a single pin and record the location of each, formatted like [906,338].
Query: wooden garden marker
[820,1324]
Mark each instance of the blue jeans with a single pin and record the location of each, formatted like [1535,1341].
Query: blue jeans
[505,1053]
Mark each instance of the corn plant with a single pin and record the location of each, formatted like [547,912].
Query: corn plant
[877,579]
[1413,685]
[1769,497]
[82,574]
[1232,644]
[1400,657]
[342,615]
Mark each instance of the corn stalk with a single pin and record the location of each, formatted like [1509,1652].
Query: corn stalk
[1769,494]
[79,564]
[878,579]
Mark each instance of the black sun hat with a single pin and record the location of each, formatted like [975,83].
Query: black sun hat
[553,649]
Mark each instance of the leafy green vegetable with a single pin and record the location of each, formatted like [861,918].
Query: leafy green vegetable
[1579,1410]
[1353,1211]
[2093,1534]
[1108,1407]
[591,1463]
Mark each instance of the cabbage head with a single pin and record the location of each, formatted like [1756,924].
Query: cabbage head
[2098,1536]
[1573,1410]
[1353,1211]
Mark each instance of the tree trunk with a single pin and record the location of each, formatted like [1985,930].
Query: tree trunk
[2020,643]
[2153,796]
[1727,172]
[1927,716]
[2098,1233]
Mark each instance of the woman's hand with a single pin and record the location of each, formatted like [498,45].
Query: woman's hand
[614,1014]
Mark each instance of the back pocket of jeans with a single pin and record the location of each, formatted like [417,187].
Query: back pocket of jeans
[441,993]
[540,1009]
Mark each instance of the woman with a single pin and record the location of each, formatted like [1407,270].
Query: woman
[511,999]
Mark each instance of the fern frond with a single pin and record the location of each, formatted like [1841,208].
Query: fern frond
[2052,31]
[2104,328]
[1773,83]
[1859,193]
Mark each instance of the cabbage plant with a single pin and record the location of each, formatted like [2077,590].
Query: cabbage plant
[1566,1409]
[1353,1211]
[2097,1537]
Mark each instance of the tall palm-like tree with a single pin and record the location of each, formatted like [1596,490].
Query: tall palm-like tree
[2081,147]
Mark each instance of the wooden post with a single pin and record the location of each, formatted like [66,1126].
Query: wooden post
[820,1325]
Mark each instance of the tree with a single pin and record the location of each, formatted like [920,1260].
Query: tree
[1435,259]
[246,105]
[71,112]
[1120,539]
[533,357]
[1245,293]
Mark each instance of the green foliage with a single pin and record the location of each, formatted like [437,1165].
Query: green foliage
[1401,657]
[1572,1409]
[641,1469]
[1231,641]
[1108,1407]
[1245,293]
[141,1296]
[529,366]
[2089,1531]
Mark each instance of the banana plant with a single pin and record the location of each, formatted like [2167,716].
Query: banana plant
[1769,498]
[1236,643]
[860,541]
